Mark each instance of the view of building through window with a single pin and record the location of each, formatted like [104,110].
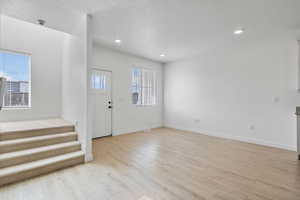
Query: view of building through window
[15,68]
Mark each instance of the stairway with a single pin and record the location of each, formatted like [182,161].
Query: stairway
[32,148]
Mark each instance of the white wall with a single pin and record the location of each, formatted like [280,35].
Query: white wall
[127,117]
[246,93]
[58,72]
[45,46]
[74,82]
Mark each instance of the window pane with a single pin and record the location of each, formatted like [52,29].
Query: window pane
[143,87]
[136,86]
[15,68]
[98,80]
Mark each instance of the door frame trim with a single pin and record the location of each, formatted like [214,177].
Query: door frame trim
[111,95]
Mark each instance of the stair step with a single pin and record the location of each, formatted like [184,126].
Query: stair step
[25,133]
[37,141]
[29,155]
[36,168]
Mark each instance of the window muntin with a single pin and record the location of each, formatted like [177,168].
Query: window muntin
[15,67]
[144,87]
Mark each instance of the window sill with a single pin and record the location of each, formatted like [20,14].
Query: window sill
[145,105]
[15,108]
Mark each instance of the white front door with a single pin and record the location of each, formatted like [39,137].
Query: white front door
[101,103]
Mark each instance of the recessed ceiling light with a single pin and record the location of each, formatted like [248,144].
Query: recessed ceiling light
[118,41]
[239,31]
[162,55]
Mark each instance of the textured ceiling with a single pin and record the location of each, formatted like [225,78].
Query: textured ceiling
[57,16]
[176,28]
[182,29]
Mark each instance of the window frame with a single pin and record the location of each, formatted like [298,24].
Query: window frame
[155,83]
[29,106]
[92,84]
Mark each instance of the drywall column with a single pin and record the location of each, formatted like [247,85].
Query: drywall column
[1,30]
[298,131]
[89,39]
[74,79]
[298,86]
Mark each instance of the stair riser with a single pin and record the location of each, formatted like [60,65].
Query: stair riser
[34,144]
[32,133]
[37,156]
[40,170]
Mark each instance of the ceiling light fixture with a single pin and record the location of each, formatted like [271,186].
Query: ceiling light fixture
[162,55]
[118,41]
[239,31]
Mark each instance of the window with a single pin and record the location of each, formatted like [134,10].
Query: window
[144,87]
[15,68]
[98,80]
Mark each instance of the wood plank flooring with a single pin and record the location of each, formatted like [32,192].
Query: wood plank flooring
[167,164]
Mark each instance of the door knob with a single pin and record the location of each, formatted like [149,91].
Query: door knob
[109,107]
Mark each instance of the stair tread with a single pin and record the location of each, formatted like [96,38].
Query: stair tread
[39,163]
[11,127]
[32,129]
[36,150]
[35,138]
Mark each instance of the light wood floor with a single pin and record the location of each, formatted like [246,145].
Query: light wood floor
[170,164]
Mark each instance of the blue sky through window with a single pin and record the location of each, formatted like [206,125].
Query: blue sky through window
[14,67]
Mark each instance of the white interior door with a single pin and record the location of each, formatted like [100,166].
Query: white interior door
[101,103]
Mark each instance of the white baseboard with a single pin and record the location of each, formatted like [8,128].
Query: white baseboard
[133,130]
[88,157]
[232,137]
